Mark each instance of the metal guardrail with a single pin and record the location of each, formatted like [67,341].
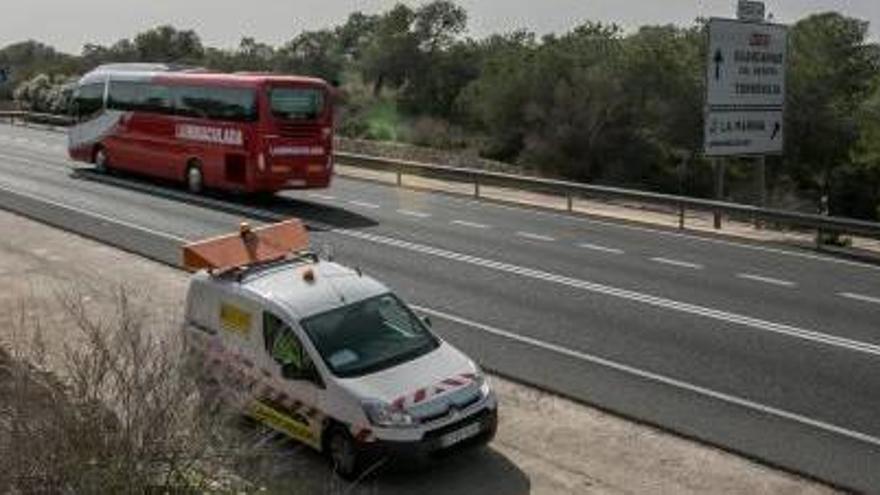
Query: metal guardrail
[570,191]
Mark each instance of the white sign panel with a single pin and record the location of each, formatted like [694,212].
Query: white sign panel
[748,10]
[744,132]
[746,64]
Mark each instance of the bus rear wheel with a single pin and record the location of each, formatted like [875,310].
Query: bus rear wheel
[195,181]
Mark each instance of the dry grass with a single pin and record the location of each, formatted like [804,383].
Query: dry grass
[119,412]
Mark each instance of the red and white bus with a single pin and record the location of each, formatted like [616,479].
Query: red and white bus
[237,132]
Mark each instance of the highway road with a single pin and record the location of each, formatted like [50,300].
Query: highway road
[768,351]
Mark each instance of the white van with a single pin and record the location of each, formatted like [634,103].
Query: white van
[328,355]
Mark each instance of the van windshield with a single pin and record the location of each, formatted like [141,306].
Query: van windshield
[369,336]
[296,103]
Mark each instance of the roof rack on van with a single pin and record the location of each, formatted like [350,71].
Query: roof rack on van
[248,248]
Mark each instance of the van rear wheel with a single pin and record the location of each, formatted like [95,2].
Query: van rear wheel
[195,181]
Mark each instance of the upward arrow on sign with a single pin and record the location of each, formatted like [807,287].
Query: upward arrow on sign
[719,59]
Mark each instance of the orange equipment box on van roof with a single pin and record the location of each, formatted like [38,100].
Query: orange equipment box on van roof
[248,247]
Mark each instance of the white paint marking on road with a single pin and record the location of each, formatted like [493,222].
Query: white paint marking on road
[364,204]
[682,264]
[656,301]
[658,378]
[535,237]
[766,280]
[325,197]
[596,247]
[860,297]
[93,214]
[411,213]
[473,225]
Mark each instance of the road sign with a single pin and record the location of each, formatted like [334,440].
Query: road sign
[748,10]
[746,64]
[734,132]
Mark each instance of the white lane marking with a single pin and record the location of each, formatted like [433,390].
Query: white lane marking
[766,280]
[656,301]
[742,320]
[658,378]
[682,264]
[651,230]
[325,197]
[535,237]
[363,204]
[860,297]
[411,213]
[596,247]
[93,214]
[473,225]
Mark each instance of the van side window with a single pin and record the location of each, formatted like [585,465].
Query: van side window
[282,344]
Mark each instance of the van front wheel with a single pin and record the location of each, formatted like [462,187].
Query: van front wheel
[343,454]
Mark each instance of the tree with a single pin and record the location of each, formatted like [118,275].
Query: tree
[389,56]
[167,44]
[314,53]
[831,74]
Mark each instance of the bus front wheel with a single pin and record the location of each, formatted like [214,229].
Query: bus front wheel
[195,181]
[102,161]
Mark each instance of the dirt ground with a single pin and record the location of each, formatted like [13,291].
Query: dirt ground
[546,444]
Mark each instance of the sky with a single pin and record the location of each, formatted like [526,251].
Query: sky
[69,24]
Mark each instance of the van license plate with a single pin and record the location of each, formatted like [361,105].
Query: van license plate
[460,435]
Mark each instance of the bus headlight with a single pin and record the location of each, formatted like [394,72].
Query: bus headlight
[383,415]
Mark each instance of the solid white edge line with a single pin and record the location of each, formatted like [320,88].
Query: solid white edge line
[766,280]
[658,378]
[596,247]
[638,228]
[750,322]
[672,262]
[647,299]
[535,237]
[859,297]
[8,189]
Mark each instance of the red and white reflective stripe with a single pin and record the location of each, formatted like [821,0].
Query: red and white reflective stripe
[442,387]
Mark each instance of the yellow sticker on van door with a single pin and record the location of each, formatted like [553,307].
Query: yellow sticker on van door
[234,319]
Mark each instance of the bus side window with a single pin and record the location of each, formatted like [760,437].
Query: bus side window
[89,101]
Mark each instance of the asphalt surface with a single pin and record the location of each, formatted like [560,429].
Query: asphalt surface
[768,351]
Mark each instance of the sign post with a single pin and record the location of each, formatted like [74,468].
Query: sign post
[745,89]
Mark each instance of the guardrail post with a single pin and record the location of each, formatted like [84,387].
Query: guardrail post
[719,188]
[399,177]
[476,187]
[570,199]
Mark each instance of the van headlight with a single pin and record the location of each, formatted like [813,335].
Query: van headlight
[382,414]
[483,383]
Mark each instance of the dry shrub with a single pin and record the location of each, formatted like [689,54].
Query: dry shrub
[120,413]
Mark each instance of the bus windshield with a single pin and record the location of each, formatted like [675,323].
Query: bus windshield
[296,103]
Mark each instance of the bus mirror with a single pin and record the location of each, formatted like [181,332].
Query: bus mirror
[427,321]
